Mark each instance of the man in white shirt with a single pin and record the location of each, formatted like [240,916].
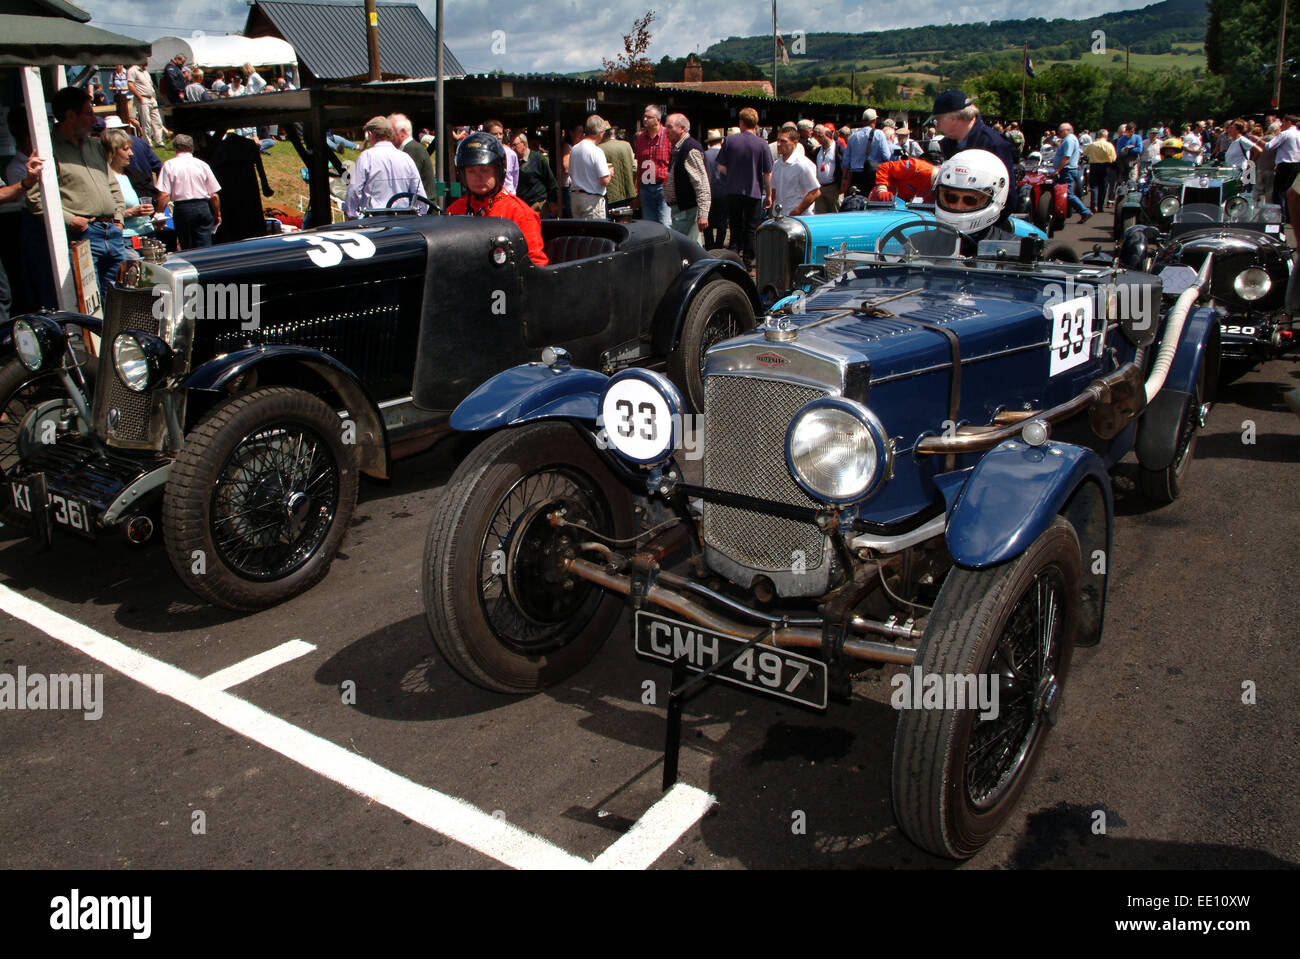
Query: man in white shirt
[1285,150]
[381,172]
[140,85]
[1192,144]
[589,172]
[828,178]
[190,183]
[794,177]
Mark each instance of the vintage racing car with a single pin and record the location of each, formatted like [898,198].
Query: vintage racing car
[243,387]
[790,251]
[911,470]
[1165,187]
[1252,264]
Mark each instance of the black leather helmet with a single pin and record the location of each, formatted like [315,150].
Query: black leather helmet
[482,149]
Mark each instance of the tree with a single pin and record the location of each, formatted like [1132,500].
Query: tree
[632,65]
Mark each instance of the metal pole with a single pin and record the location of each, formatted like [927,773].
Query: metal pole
[1281,44]
[774,58]
[1024,78]
[440,159]
[372,40]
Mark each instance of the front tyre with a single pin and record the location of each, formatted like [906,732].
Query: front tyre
[956,776]
[33,410]
[259,499]
[1166,485]
[718,312]
[501,608]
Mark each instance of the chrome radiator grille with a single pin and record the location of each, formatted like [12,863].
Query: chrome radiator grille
[745,419]
[125,310]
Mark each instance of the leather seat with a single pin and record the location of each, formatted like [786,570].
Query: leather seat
[566,249]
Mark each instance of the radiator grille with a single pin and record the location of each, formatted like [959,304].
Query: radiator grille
[745,420]
[772,261]
[1201,195]
[125,310]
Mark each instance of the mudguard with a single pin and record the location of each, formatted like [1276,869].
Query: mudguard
[371,435]
[92,323]
[531,392]
[1012,496]
[1158,429]
[1134,245]
[671,313]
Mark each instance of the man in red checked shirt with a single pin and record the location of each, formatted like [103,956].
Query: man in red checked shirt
[481,164]
[653,150]
[905,179]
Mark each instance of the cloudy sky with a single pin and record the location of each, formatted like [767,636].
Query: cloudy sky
[565,35]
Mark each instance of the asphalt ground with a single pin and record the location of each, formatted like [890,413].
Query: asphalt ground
[366,751]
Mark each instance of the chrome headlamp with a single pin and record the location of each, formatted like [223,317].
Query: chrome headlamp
[1252,284]
[1169,206]
[836,450]
[140,359]
[39,342]
[1235,207]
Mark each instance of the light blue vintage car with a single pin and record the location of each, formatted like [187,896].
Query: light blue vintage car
[790,250]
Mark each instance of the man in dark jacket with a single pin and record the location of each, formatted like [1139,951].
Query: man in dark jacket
[958,119]
[174,82]
[687,187]
[537,186]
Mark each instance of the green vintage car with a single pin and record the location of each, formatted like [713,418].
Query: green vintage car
[1166,187]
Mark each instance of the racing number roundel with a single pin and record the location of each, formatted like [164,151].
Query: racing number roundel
[637,420]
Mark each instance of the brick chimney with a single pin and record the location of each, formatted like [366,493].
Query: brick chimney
[693,71]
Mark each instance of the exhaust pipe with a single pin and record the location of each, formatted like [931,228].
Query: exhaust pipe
[138,530]
[795,637]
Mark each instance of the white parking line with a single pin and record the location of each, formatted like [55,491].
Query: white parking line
[246,669]
[650,837]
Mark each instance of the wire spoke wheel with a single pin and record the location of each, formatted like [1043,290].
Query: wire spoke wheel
[717,312]
[273,501]
[960,768]
[502,608]
[33,406]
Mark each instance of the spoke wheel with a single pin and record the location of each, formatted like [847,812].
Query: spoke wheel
[718,312]
[957,776]
[31,408]
[259,499]
[502,610]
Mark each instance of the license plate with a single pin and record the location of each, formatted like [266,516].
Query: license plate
[28,496]
[764,669]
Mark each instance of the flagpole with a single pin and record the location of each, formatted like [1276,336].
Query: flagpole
[774,51]
[1024,73]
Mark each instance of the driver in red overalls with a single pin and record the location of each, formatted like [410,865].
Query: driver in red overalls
[481,165]
[905,179]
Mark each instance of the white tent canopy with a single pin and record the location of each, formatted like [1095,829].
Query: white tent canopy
[231,50]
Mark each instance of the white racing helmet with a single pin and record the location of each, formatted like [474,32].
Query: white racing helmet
[970,191]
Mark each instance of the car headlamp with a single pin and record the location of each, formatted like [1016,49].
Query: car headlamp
[39,342]
[836,450]
[1235,207]
[1169,206]
[140,360]
[641,413]
[1252,284]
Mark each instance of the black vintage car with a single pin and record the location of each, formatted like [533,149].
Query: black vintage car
[1250,266]
[242,388]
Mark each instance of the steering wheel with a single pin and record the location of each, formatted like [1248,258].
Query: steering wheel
[390,210]
[939,239]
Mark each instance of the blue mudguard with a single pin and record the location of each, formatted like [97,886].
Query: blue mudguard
[1012,496]
[531,392]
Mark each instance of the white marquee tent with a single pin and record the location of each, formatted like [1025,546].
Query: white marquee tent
[214,52]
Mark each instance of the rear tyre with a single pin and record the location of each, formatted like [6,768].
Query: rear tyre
[260,498]
[1166,485]
[718,312]
[1043,212]
[957,777]
[501,610]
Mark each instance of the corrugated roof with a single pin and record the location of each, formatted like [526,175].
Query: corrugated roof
[330,38]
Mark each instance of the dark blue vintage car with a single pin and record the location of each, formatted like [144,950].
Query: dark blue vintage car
[243,388]
[913,470]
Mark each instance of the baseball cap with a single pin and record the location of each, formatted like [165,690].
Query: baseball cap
[379,125]
[889,122]
[950,101]
[869,115]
